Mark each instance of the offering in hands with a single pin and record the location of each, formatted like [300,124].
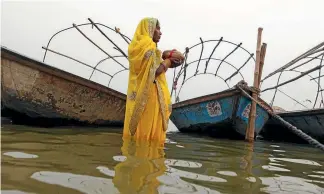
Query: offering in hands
[175,56]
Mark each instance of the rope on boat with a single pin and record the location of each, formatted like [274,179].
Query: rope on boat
[292,128]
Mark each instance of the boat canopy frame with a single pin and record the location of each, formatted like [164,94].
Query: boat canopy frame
[314,54]
[109,57]
[182,72]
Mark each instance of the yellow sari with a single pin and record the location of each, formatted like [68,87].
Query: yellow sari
[144,163]
[148,104]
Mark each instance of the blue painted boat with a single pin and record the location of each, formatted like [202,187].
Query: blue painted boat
[224,114]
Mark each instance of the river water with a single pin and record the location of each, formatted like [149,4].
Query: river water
[92,160]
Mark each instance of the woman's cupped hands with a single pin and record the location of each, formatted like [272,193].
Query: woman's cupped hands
[174,56]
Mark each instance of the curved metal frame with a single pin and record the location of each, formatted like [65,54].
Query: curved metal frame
[314,53]
[307,54]
[293,69]
[318,50]
[296,71]
[220,40]
[118,72]
[185,65]
[102,60]
[180,73]
[95,68]
[215,59]
[72,27]
[217,76]
[319,83]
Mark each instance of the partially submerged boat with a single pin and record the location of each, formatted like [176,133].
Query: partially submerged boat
[223,114]
[310,122]
[34,91]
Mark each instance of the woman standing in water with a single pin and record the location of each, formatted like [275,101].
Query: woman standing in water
[148,104]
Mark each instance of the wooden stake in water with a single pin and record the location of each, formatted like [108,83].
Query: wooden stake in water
[262,56]
[249,136]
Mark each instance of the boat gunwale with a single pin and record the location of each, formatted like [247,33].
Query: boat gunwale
[43,67]
[200,99]
[302,113]
[214,96]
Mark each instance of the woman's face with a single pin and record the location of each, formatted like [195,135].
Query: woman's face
[157,33]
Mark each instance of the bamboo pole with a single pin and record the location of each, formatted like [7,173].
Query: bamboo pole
[262,56]
[249,136]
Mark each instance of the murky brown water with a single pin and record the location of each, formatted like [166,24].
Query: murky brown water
[96,161]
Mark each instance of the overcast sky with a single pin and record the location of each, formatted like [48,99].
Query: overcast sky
[290,28]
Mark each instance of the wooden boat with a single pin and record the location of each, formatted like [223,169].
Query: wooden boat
[34,90]
[310,122]
[224,114]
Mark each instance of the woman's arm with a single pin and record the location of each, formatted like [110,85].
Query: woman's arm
[163,67]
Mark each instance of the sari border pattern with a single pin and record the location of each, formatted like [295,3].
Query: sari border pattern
[162,106]
[151,26]
[141,99]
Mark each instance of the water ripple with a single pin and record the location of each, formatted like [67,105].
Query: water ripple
[99,162]
[20,155]
[13,192]
[288,184]
[227,173]
[82,183]
[298,161]
[274,168]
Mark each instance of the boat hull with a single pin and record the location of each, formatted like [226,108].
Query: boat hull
[33,90]
[222,114]
[310,122]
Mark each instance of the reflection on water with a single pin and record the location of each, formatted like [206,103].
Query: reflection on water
[139,170]
[274,168]
[98,161]
[299,161]
[288,184]
[228,173]
[82,183]
[20,155]
[13,192]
